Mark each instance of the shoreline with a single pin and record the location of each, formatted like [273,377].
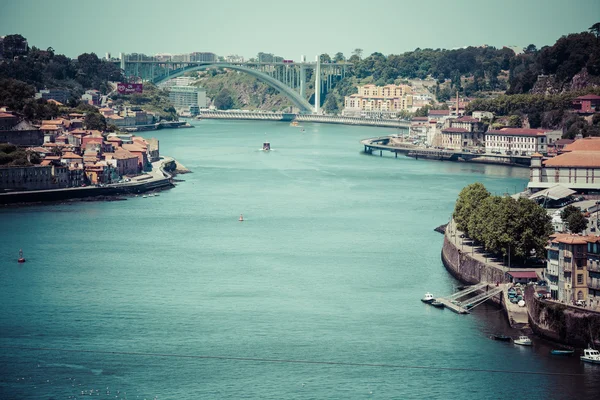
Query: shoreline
[161,178]
[468,265]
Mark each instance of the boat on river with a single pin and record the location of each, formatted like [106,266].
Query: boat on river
[523,341]
[266,146]
[428,298]
[561,352]
[501,338]
[437,304]
[591,356]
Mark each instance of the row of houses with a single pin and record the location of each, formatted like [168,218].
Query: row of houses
[72,156]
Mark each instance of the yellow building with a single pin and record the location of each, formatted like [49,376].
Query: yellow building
[378,101]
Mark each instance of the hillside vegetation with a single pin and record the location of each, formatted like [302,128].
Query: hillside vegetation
[246,91]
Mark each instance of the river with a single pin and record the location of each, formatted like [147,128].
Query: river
[172,297]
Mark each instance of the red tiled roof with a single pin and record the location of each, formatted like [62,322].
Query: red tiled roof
[6,115]
[71,155]
[454,130]
[439,112]
[522,274]
[571,239]
[585,144]
[519,132]
[575,159]
[588,97]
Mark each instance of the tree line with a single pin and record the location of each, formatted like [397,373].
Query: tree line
[502,225]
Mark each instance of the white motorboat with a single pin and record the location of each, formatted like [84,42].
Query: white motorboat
[591,356]
[523,341]
[428,298]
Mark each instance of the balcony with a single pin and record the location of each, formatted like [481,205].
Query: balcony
[595,267]
[594,284]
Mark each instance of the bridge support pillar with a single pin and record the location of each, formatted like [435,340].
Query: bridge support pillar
[303,81]
[318,86]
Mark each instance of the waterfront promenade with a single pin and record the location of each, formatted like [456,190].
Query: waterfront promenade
[466,248]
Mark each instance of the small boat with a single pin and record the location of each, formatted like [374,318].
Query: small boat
[523,341]
[437,304]
[561,352]
[266,146]
[501,338]
[294,123]
[144,196]
[428,298]
[591,356]
[241,218]
[21,259]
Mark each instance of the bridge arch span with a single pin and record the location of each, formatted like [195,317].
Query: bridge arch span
[288,92]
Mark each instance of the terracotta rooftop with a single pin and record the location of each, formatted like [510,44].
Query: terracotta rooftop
[454,130]
[121,154]
[588,97]
[49,128]
[439,112]
[518,132]
[71,155]
[585,144]
[6,115]
[58,121]
[571,239]
[589,159]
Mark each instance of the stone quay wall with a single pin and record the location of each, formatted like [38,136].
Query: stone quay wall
[467,269]
[562,323]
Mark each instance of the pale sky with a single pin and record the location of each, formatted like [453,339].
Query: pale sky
[289,28]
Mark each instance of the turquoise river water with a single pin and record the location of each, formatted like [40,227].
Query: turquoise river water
[315,295]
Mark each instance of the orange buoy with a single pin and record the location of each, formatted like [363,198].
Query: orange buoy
[241,218]
[21,258]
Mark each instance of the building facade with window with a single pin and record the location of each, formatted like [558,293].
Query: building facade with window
[378,101]
[519,141]
[183,97]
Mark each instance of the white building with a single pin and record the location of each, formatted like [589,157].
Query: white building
[519,141]
[577,169]
[183,97]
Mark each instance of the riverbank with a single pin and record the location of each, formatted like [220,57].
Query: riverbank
[552,321]
[382,144]
[288,117]
[159,178]
[467,263]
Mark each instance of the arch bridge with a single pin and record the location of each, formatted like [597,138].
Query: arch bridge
[287,77]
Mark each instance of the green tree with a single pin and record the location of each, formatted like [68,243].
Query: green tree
[339,56]
[531,49]
[13,46]
[467,202]
[358,53]
[574,219]
[514,121]
[224,101]
[423,111]
[331,104]
[595,29]
[95,121]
